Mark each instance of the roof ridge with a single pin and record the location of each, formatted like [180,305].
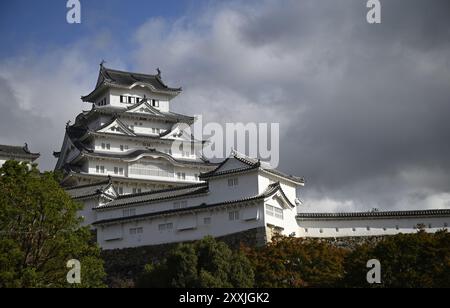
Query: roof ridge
[128,72]
[89,185]
[188,209]
[371,213]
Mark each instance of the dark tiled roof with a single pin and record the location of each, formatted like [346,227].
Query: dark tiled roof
[136,153]
[371,215]
[153,196]
[252,164]
[18,152]
[166,116]
[90,190]
[113,77]
[273,188]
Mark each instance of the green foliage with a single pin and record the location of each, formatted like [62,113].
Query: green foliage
[294,263]
[407,261]
[203,264]
[419,260]
[40,232]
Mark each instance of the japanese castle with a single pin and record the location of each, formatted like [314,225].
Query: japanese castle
[144,181]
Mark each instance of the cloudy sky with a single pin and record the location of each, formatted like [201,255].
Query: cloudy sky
[363,109]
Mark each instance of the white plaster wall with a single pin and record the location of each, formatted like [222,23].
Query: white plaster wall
[327,228]
[220,191]
[145,126]
[289,188]
[109,167]
[220,226]
[115,94]
[288,223]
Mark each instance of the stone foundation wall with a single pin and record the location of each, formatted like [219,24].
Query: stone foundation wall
[123,266]
[353,242]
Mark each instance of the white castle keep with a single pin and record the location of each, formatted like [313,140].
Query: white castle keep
[144,181]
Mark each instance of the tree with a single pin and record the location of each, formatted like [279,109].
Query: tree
[203,264]
[419,260]
[40,232]
[294,263]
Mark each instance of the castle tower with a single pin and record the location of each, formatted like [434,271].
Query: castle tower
[131,135]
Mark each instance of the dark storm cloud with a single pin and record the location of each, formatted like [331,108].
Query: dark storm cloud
[364,108]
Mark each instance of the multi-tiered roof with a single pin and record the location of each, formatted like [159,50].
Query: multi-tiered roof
[111,119]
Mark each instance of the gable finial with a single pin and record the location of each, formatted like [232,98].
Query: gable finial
[68,123]
[102,63]
[159,72]
[26,148]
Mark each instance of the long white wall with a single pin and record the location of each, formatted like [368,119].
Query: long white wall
[369,227]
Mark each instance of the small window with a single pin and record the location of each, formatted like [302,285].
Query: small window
[368,228]
[337,230]
[120,190]
[233,182]
[306,230]
[108,146]
[445,225]
[180,204]
[121,171]
[397,227]
[97,169]
[116,170]
[430,226]
[321,230]
[102,169]
[232,216]
[103,146]
[134,231]
[207,220]
[278,213]
[354,229]
[130,100]
[121,148]
[164,227]
[129,212]
[122,99]
[270,210]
